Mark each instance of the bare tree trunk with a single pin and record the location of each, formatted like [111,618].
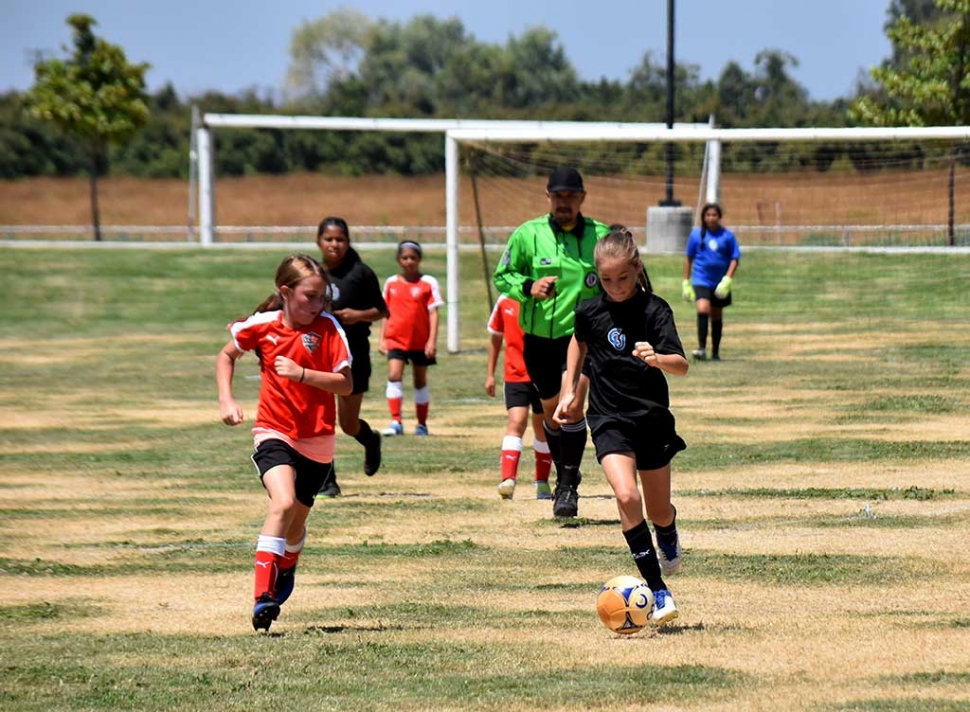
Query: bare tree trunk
[93,182]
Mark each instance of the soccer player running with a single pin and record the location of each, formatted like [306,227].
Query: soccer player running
[357,303]
[548,267]
[521,396]
[304,359]
[630,340]
[709,267]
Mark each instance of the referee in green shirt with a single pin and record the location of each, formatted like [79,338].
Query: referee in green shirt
[548,266]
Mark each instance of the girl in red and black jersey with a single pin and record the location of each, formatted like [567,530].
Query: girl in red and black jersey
[410,334]
[304,359]
[630,340]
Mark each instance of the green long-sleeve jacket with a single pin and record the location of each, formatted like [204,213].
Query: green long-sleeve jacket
[540,248]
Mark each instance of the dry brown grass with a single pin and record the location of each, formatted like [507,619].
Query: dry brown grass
[303,199]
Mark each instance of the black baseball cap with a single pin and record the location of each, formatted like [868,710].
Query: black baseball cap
[565,179]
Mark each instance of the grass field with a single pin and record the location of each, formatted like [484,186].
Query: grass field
[824,505]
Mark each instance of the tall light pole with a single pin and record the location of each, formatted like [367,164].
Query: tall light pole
[669,146]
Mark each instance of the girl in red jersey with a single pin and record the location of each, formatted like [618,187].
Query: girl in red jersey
[521,395]
[409,334]
[304,360]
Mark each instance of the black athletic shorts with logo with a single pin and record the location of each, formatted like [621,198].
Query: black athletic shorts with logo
[310,475]
[522,395]
[652,439]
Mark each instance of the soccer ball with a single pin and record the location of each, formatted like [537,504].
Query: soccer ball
[624,604]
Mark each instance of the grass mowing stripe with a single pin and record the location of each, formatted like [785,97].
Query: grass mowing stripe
[914,492]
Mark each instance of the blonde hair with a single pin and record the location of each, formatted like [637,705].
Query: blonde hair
[620,245]
[293,270]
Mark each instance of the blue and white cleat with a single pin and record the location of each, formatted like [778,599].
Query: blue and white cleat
[664,608]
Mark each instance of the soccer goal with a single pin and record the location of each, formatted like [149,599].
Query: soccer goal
[861,188]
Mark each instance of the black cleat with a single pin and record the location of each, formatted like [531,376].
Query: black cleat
[372,455]
[265,612]
[566,504]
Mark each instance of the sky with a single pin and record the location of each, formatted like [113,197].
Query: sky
[236,45]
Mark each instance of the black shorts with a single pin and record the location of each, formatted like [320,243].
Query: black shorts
[522,395]
[652,440]
[418,358]
[360,369]
[310,475]
[545,362]
[708,293]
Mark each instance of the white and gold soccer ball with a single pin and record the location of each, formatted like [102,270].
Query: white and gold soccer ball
[624,604]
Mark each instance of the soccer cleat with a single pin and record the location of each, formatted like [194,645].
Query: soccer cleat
[421,429]
[285,578]
[664,608]
[372,454]
[566,504]
[715,357]
[330,488]
[265,612]
[669,555]
[542,490]
[699,354]
[395,428]
[506,488]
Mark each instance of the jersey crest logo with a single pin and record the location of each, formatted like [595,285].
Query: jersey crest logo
[712,245]
[591,280]
[311,341]
[415,292]
[617,339]
[333,292]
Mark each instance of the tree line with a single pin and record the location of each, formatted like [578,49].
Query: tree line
[345,64]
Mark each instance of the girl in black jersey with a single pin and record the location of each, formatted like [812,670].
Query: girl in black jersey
[629,336]
[357,303]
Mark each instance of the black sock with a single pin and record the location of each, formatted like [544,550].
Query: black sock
[645,556]
[365,433]
[667,534]
[702,331]
[717,326]
[554,441]
[573,446]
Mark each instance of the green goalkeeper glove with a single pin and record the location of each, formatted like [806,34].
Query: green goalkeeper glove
[687,291]
[723,288]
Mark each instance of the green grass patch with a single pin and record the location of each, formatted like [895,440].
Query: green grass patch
[913,492]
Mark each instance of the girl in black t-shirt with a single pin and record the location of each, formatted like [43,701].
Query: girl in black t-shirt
[357,303]
[630,339]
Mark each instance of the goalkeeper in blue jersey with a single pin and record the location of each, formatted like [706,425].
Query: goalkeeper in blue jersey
[712,259]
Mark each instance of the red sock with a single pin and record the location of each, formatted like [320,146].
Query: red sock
[394,405]
[267,564]
[543,466]
[421,411]
[289,560]
[510,464]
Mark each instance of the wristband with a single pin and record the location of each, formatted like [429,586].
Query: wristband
[303,375]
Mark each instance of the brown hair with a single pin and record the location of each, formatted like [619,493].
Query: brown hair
[293,270]
[620,245]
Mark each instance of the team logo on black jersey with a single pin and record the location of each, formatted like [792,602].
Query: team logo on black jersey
[311,341]
[591,280]
[333,291]
[617,339]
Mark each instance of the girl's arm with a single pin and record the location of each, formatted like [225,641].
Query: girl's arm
[674,364]
[229,411]
[340,383]
[432,346]
[570,408]
[381,346]
[354,316]
[494,348]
